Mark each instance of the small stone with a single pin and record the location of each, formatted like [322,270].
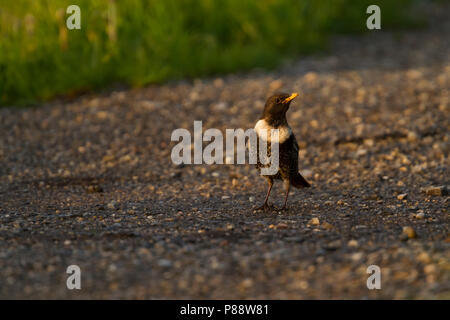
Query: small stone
[361,152]
[311,76]
[108,158]
[220,105]
[436,191]
[112,205]
[225,197]
[143,251]
[251,199]
[314,221]
[295,239]
[215,174]
[429,269]
[282,226]
[276,84]
[353,243]
[410,232]
[94,189]
[218,82]
[175,175]
[333,245]
[373,196]
[307,173]
[165,263]
[357,256]
[420,215]
[246,283]
[327,226]
[412,136]
[314,123]
[402,196]
[424,257]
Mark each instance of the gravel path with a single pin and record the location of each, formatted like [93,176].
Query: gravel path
[90,182]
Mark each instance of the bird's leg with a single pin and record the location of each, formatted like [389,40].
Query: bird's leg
[266,205]
[287,186]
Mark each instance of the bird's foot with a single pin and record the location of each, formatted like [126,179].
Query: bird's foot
[265,207]
[283,208]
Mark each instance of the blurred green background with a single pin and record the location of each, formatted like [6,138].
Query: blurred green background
[137,42]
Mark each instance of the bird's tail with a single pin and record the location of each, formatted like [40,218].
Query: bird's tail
[299,182]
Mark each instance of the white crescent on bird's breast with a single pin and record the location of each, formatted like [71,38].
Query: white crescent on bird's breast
[284,132]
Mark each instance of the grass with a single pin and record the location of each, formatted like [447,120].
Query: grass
[137,42]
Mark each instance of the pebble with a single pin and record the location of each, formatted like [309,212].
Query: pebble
[420,215]
[94,189]
[220,105]
[165,263]
[333,245]
[353,243]
[424,257]
[436,191]
[314,221]
[327,226]
[410,232]
[276,84]
[361,152]
[412,136]
[429,269]
[402,196]
[357,256]
[307,173]
[112,204]
[282,226]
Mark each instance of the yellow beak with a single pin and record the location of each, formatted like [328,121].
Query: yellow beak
[291,97]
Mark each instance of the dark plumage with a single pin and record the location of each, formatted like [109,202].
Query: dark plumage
[274,117]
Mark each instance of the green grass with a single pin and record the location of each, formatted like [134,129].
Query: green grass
[138,42]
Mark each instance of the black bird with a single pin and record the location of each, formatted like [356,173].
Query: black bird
[274,117]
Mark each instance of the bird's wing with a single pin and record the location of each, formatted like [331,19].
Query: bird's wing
[293,155]
[295,144]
